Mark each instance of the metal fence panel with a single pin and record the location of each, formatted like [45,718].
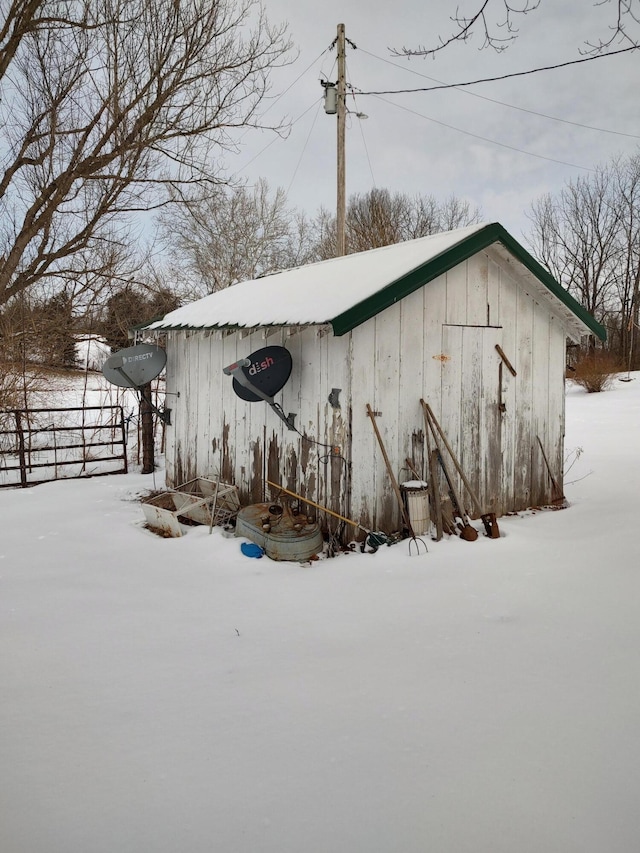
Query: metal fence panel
[39,445]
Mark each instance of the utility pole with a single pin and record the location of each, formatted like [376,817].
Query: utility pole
[335,103]
[341,208]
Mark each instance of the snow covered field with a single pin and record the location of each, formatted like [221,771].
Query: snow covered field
[88,414]
[174,696]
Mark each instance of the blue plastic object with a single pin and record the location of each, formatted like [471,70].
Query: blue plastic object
[249,549]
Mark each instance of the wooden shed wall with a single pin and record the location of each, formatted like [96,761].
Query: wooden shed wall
[437,344]
[215,433]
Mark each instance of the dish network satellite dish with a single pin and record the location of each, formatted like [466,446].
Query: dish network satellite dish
[135,367]
[261,375]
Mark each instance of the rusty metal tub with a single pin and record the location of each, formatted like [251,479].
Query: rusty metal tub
[282,533]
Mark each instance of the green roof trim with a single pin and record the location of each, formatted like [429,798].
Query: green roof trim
[447,260]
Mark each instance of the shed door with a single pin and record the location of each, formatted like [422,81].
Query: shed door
[471,405]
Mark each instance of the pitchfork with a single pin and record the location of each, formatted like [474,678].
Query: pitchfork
[414,540]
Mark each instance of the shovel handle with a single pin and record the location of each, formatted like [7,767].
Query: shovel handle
[429,411]
[317,506]
[394,483]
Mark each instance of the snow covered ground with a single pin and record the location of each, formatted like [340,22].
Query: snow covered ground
[174,696]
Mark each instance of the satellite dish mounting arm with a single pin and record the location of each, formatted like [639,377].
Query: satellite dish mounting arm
[165,416]
[236,371]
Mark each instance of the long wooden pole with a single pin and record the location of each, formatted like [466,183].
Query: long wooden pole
[558,494]
[434,486]
[317,506]
[456,501]
[488,518]
[435,492]
[454,459]
[467,531]
[396,488]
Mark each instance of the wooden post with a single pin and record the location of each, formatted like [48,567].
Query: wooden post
[123,433]
[21,454]
[146,419]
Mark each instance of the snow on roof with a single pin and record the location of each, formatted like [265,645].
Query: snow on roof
[348,290]
[315,293]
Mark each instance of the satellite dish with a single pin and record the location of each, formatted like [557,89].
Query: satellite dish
[267,370]
[134,366]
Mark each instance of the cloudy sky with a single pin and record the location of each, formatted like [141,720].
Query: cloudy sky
[499,145]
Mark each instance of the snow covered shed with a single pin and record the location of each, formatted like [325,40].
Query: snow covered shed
[467,320]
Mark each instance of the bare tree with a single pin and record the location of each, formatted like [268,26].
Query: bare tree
[20,378]
[574,235]
[627,178]
[222,237]
[380,218]
[106,102]
[455,212]
[588,236]
[497,29]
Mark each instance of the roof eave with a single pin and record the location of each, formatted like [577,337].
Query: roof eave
[229,327]
[450,258]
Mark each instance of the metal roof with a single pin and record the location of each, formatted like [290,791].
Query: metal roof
[349,290]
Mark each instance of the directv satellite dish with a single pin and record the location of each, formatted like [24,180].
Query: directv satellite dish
[135,366]
[268,371]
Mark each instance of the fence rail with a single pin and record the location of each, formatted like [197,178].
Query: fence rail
[66,443]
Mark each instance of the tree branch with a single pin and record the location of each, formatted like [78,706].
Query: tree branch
[468,25]
[111,107]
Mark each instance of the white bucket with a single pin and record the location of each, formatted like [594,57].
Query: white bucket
[417,499]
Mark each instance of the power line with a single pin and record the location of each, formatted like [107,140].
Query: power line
[277,137]
[304,148]
[484,138]
[444,86]
[360,116]
[273,103]
[502,77]
[366,151]
[501,103]
[291,85]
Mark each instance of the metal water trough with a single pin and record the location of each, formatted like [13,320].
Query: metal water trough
[282,533]
[199,501]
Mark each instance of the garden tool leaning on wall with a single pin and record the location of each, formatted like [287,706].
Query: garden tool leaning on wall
[415,540]
[373,538]
[488,518]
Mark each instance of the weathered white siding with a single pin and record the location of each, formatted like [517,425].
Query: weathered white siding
[438,344]
[215,433]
